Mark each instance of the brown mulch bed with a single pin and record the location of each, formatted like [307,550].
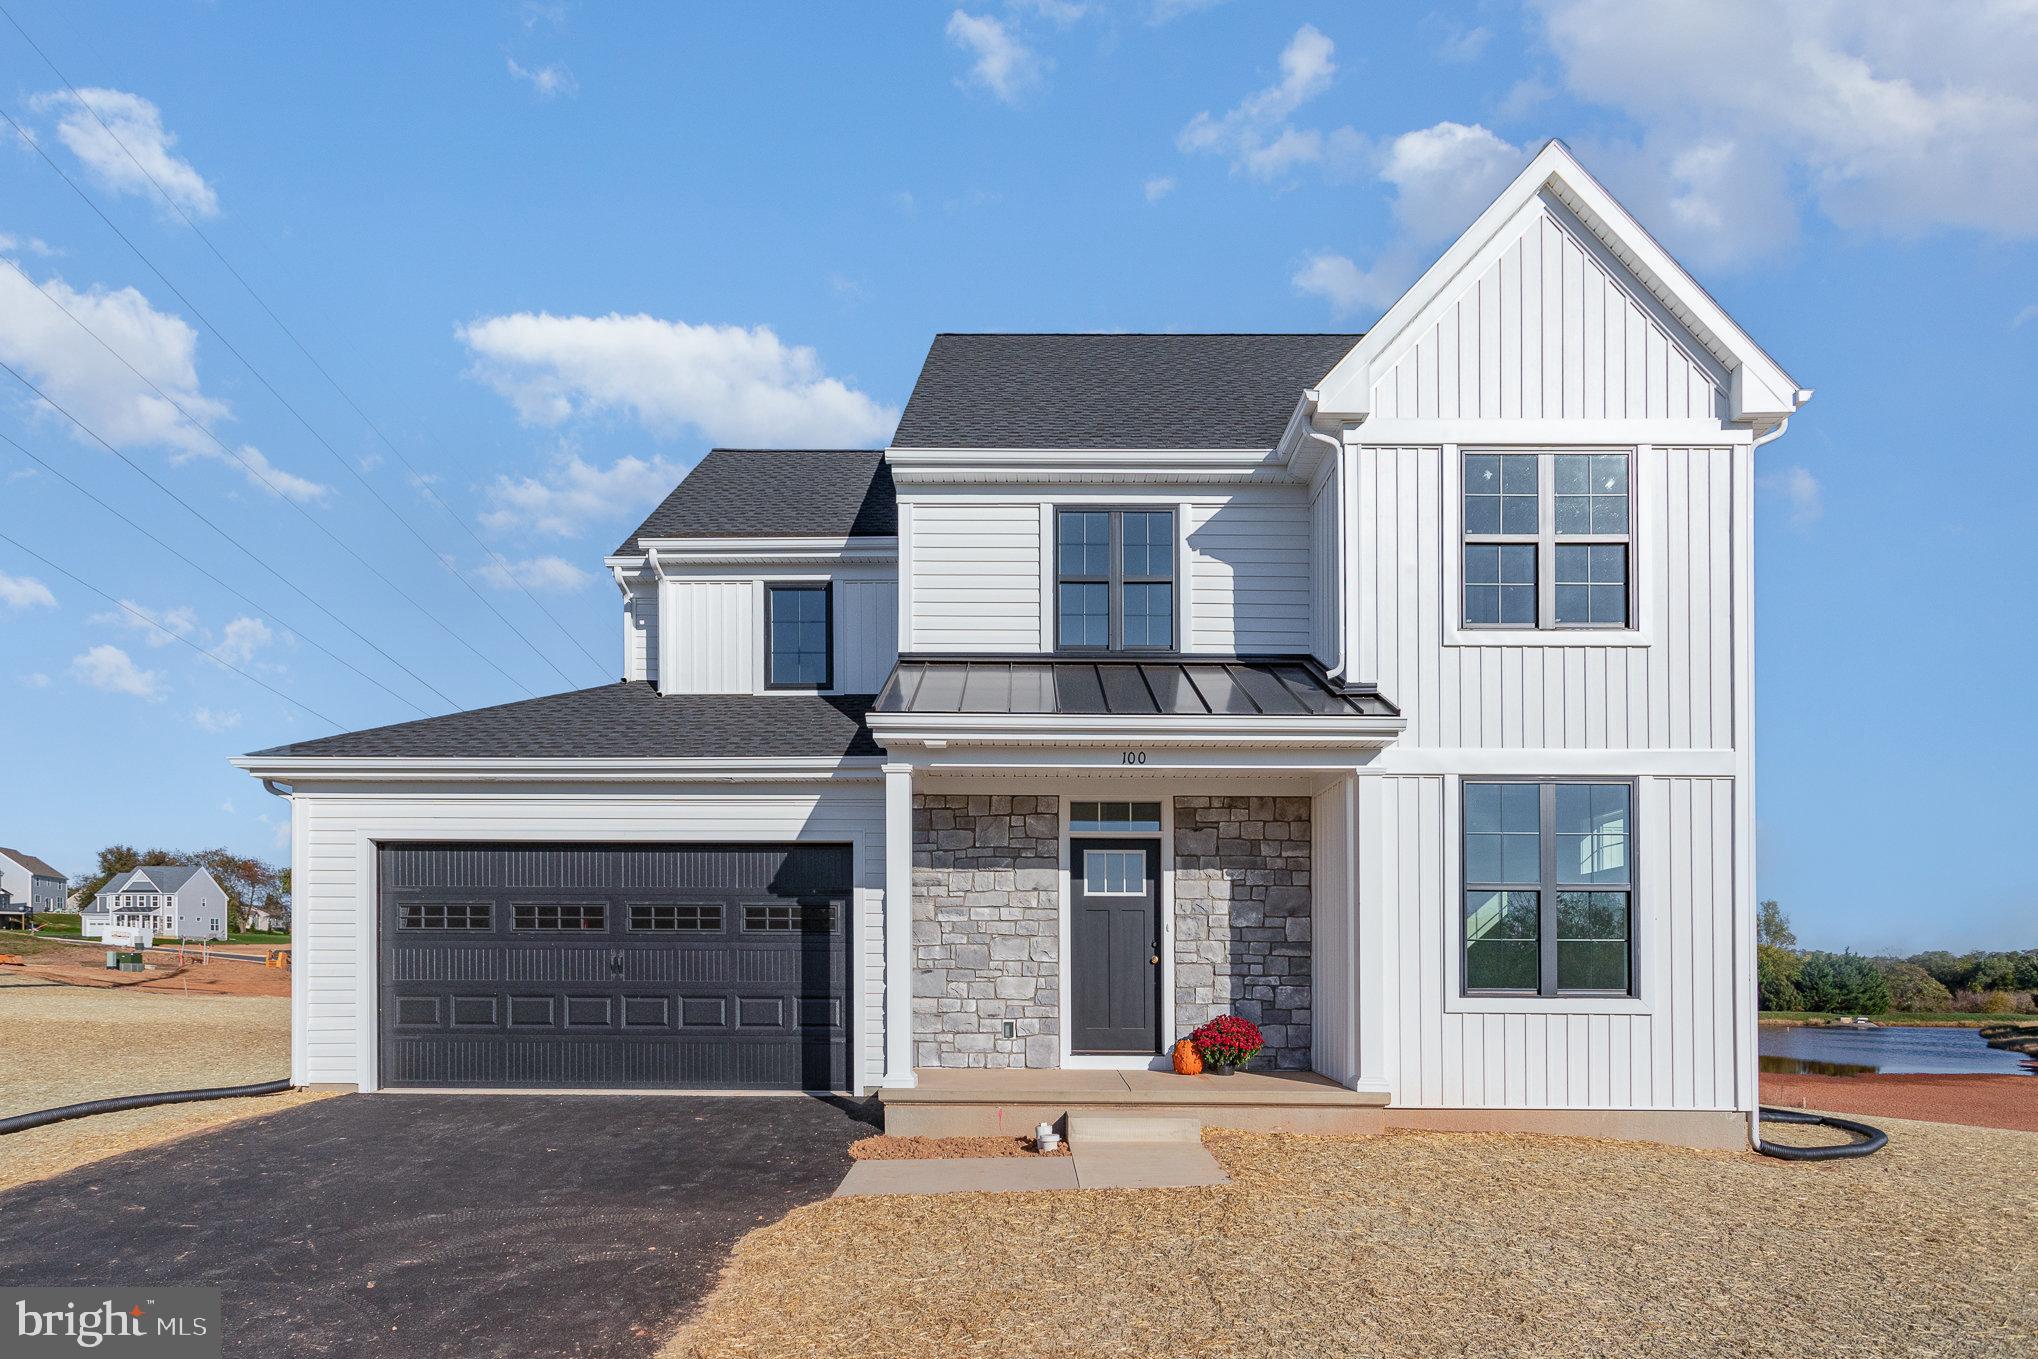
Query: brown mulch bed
[1423,1244]
[940,1148]
[1982,1101]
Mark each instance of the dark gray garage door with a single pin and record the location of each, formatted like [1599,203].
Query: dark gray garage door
[615,966]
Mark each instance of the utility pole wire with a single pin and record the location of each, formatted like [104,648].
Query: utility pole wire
[75,579]
[58,473]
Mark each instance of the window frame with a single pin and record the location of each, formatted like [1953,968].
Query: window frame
[1115,580]
[1547,889]
[1546,540]
[826,589]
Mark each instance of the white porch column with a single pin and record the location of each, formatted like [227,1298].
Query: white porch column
[898,925]
[1373,928]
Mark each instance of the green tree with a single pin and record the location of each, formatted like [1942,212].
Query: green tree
[1772,926]
[1776,978]
[1994,972]
[1842,983]
[1912,988]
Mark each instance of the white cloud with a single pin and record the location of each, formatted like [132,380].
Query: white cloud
[535,573]
[242,639]
[158,627]
[216,720]
[1346,286]
[547,82]
[1462,45]
[1444,176]
[103,392]
[109,669]
[1003,64]
[25,245]
[2024,317]
[1063,12]
[22,592]
[574,494]
[1800,492]
[1255,135]
[732,384]
[1159,187]
[132,122]
[35,679]
[1888,115]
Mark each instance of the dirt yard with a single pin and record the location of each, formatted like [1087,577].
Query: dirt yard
[1421,1244]
[68,1043]
[80,965]
[2009,1101]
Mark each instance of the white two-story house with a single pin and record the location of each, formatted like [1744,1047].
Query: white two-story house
[1390,690]
[170,901]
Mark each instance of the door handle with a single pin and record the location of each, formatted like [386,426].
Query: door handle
[1155,960]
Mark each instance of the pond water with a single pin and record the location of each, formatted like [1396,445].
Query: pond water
[1857,1052]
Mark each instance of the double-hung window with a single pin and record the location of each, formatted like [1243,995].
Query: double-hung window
[1115,580]
[1548,540]
[798,649]
[1549,889]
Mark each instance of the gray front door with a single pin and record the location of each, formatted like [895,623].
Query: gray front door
[1115,946]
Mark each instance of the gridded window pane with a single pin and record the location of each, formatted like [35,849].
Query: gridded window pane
[1149,544]
[1085,615]
[1114,817]
[799,634]
[1592,833]
[1500,493]
[774,917]
[1085,537]
[1592,941]
[561,915]
[1114,872]
[1149,615]
[1500,583]
[1592,584]
[1502,952]
[1503,833]
[687,917]
[446,915]
[1592,493]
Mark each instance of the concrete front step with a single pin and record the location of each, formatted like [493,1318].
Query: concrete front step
[1090,1128]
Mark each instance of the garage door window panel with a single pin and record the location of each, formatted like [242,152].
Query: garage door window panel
[446,915]
[560,915]
[684,918]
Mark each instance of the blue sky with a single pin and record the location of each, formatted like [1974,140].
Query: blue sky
[555,251]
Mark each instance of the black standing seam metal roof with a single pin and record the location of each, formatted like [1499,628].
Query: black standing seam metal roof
[1149,687]
[778,493]
[1113,391]
[626,720]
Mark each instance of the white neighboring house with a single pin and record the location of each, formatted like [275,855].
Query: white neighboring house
[173,901]
[1394,691]
[28,887]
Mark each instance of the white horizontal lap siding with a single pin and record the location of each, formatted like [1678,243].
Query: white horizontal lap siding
[712,636]
[976,576]
[640,636]
[1676,1051]
[1551,327]
[336,909]
[866,634]
[1249,575]
[1675,693]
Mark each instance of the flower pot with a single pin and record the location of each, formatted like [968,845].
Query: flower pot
[1218,1068]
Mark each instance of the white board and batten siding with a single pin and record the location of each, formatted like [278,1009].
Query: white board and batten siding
[711,629]
[336,829]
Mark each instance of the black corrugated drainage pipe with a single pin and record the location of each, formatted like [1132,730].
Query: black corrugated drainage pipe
[23,1122]
[1871,1139]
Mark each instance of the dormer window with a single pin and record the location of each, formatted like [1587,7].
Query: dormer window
[1115,580]
[798,650]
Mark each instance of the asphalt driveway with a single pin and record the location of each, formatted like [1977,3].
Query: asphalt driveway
[440,1225]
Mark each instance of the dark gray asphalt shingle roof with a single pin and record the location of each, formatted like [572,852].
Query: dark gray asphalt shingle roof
[629,720]
[31,863]
[778,492]
[1113,391]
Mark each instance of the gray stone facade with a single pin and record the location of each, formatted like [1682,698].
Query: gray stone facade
[986,930]
[1242,918]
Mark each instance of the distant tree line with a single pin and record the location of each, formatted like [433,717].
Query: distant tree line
[1790,978]
[248,882]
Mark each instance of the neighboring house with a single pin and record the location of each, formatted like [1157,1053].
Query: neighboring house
[267,919]
[13,914]
[174,901]
[1392,690]
[34,885]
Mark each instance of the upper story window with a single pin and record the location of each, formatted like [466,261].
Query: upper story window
[798,652]
[1549,888]
[1548,540]
[1115,580]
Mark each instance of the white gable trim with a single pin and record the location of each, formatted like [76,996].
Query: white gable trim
[1759,391]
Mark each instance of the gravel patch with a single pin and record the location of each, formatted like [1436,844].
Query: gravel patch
[1424,1244]
[946,1148]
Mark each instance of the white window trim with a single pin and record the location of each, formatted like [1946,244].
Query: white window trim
[1070,1059]
[1645,557]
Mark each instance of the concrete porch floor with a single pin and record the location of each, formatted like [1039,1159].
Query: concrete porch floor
[961,1103]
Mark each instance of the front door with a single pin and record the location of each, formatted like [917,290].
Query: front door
[1115,946]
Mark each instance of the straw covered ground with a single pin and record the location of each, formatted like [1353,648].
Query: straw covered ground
[65,1044]
[1421,1244]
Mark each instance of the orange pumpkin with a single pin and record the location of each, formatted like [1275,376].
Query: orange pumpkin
[1188,1061]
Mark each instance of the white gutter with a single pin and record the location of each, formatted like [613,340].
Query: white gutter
[525,770]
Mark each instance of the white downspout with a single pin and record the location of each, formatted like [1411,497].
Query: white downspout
[1343,552]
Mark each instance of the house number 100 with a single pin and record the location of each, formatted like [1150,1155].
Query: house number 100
[1132,757]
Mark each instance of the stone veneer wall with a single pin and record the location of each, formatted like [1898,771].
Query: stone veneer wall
[1242,918]
[986,935]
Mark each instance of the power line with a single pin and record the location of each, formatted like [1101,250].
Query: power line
[202,518]
[284,401]
[57,472]
[75,579]
[259,475]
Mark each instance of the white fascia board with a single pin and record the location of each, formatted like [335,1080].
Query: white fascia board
[1220,730]
[287,768]
[1759,388]
[668,552]
[920,466]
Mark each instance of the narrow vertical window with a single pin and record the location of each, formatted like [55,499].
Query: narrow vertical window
[1115,580]
[799,637]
